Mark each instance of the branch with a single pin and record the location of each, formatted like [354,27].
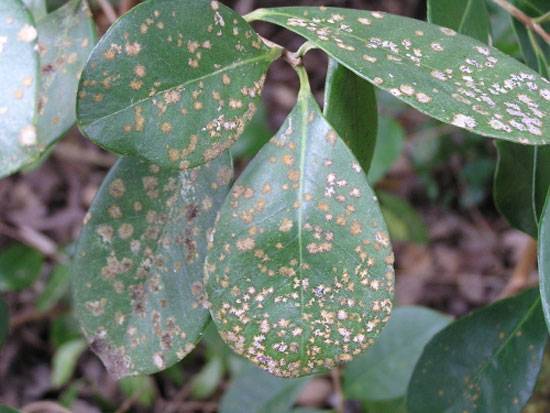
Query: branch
[108,10]
[527,21]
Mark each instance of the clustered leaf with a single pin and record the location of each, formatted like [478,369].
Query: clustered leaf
[444,74]
[138,267]
[40,64]
[300,271]
[173,82]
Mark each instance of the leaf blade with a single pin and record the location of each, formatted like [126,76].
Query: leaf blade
[544,259]
[469,17]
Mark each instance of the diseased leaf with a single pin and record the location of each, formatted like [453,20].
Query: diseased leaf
[404,223]
[350,107]
[36,7]
[20,266]
[544,259]
[534,49]
[254,137]
[469,17]
[138,268]
[4,321]
[66,38]
[64,361]
[255,391]
[18,85]
[446,75]
[487,361]
[389,145]
[384,371]
[300,272]
[521,182]
[174,82]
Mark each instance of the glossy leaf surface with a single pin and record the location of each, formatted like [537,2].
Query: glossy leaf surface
[384,371]
[139,263]
[521,182]
[19,65]
[256,391]
[350,107]
[300,273]
[446,75]
[544,259]
[174,82]
[469,17]
[487,361]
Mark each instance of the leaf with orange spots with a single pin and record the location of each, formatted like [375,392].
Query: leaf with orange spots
[350,107]
[173,82]
[485,362]
[19,65]
[300,271]
[544,259]
[138,269]
[443,74]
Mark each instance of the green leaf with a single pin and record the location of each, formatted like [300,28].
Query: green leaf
[350,107]
[174,82]
[56,288]
[141,386]
[66,38]
[36,7]
[64,361]
[544,259]
[389,145]
[20,266]
[254,137]
[137,275]
[487,361]
[4,321]
[64,329]
[469,17]
[384,371]
[206,382]
[446,75]
[310,410]
[7,409]
[404,223]
[521,182]
[255,391]
[303,202]
[534,49]
[19,68]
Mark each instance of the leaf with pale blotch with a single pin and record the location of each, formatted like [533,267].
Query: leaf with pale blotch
[19,68]
[446,75]
[350,107]
[299,274]
[174,82]
[521,182]
[137,274]
[485,362]
[544,259]
[469,17]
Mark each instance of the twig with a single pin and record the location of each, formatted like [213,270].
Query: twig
[32,238]
[336,383]
[44,407]
[108,10]
[124,6]
[526,264]
[530,23]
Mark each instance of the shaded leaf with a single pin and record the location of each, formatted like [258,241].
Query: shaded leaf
[350,107]
[446,75]
[469,17]
[384,371]
[404,223]
[256,391]
[64,361]
[19,67]
[544,259]
[56,288]
[386,406]
[64,329]
[141,387]
[206,382]
[487,361]
[20,266]
[389,145]
[4,321]
[36,7]
[7,409]
[174,82]
[138,268]
[521,182]
[303,202]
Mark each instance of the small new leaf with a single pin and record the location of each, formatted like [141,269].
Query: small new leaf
[138,267]
[300,271]
[440,72]
[173,82]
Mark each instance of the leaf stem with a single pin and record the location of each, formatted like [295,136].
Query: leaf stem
[527,21]
[305,88]
[542,19]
